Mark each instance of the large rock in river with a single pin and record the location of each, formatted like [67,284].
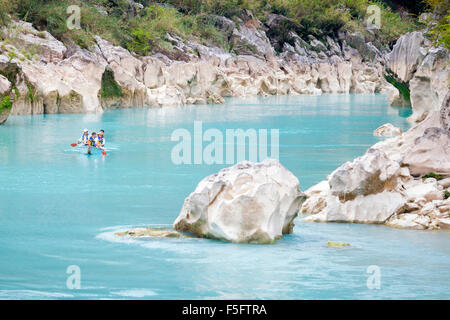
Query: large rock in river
[391,183]
[248,202]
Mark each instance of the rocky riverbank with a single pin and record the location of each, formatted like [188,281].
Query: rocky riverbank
[402,182]
[43,75]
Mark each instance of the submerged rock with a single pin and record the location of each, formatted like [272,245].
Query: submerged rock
[248,202]
[150,232]
[337,244]
[387,130]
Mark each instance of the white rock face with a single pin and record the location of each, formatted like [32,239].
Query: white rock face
[429,85]
[387,130]
[430,153]
[406,55]
[445,113]
[386,186]
[392,94]
[5,85]
[68,80]
[359,191]
[248,202]
[373,208]
[369,174]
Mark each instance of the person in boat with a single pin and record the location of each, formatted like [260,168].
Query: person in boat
[92,140]
[101,139]
[84,138]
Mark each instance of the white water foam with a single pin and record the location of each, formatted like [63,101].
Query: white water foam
[135,293]
[31,294]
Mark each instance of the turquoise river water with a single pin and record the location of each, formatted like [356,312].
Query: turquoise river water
[61,208]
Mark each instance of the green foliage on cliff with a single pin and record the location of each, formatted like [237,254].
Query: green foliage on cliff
[447,195]
[432,175]
[439,22]
[149,29]
[5,104]
[5,7]
[110,88]
[318,17]
[402,87]
[144,30]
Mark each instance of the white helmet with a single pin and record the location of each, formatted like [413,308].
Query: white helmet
[85,130]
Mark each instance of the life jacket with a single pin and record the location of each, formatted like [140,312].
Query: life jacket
[100,139]
[91,141]
[84,137]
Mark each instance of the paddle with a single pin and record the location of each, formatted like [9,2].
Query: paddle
[74,144]
[103,152]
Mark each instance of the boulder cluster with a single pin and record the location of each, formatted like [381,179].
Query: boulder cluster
[401,182]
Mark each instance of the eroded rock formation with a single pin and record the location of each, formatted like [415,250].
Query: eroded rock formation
[248,202]
[54,78]
[401,182]
[387,130]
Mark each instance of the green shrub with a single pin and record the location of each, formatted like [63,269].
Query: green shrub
[110,88]
[6,103]
[432,175]
[393,25]
[439,30]
[446,195]
[12,55]
[6,6]
[189,19]
[402,87]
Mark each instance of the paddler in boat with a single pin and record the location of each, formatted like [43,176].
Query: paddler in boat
[92,142]
[84,138]
[101,139]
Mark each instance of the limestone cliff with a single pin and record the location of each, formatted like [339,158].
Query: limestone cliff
[54,78]
[51,77]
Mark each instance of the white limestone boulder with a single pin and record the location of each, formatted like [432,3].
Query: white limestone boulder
[409,221]
[430,153]
[372,173]
[362,191]
[248,202]
[386,185]
[373,208]
[392,93]
[429,85]
[5,85]
[387,130]
[407,54]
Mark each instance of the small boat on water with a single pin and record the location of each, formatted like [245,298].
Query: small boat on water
[91,150]
[94,150]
